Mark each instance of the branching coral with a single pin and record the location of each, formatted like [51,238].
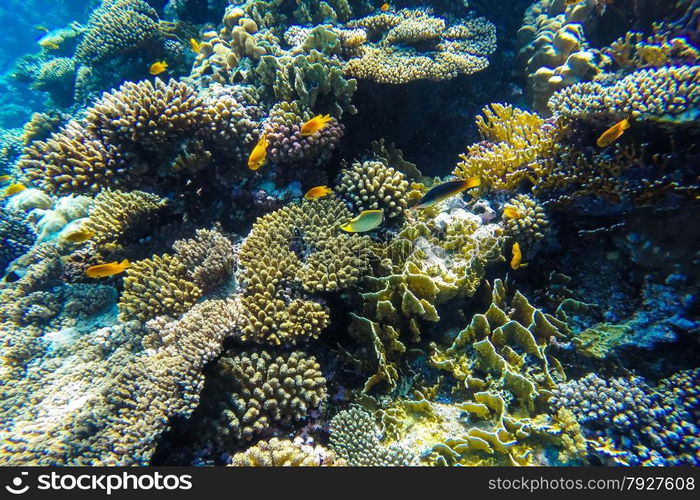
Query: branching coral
[116,27]
[210,257]
[253,392]
[631,423]
[17,235]
[661,94]
[157,286]
[356,438]
[513,140]
[285,453]
[289,254]
[72,160]
[283,131]
[146,113]
[373,185]
[525,220]
[415,45]
[115,213]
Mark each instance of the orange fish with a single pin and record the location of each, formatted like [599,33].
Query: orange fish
[158,67]
[105,270]
[5,178]
[196,47]
[613,133]
[571,2]
[258,156]
[317,123]
[516,261]
[317,192]
[13,189]
[79,236]
[511,213]
[385,7]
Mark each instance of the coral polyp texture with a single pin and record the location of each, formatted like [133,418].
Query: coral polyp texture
[271,233]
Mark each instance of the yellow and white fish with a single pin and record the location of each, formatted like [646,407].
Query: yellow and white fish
[366,221]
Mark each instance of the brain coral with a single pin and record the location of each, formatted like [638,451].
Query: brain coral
[252,392]
[289,254]
[445,51]
[373,185]
[116,27]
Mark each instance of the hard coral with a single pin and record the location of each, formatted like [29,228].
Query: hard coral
[252,393]
[373,185]
[289,254]
[285,453]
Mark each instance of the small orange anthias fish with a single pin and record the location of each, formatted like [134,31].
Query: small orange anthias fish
[105,270]
[258,156]
[516,261]
[572,2]
[385,7]
[613,133]
[317,123]
[13,189]
[158,67]
[511,213]
[196,47]
[5,178]
[317,192]
[446,190]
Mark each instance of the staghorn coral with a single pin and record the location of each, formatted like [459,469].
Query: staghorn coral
[291,253]
[157,286]
[17,235]
[283,131]
[445,51]
[210,258]
[117,27]
[632,424]
[72,160]
[530,224]
[251,393]
[356,438]
[373,185]
[285,453]
[513,140]
[147,113]
[667,94]
[115,213]
[635,51]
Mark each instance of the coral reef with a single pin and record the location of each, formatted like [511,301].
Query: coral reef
[373,185]
[284,453]
[254,392]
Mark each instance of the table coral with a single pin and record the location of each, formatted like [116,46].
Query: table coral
[453,50]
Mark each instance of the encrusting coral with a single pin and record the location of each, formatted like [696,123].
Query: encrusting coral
[373,185]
